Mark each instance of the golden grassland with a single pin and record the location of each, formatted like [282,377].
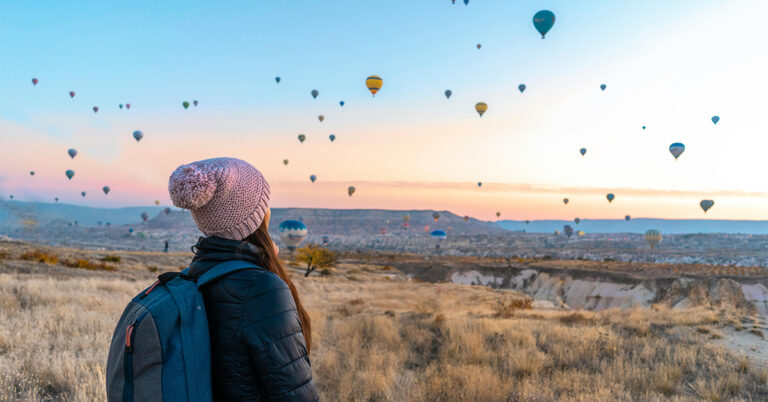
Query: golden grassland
[381,337]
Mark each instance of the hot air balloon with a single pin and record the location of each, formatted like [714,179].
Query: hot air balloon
[438,236]
[453,1]
[448,93]
[627,218]
[292,233]
[383,231]
[466,218]
[706,205]
[436,216]
[332,137]
[602,87]
[314,93]
[321,118]
[521,87]
[138,135]
[557,232]
[610,197]
[167,210]
[194,102]
[56,199]
[71,94]
[285,162]
[82,194]
[479,46]
[406,217]
[302,137]
[185,104]
[95,109]
[11,196]
[373,83]
[565,201]
[653,237]
[583,151]
[677,149]
[715,119]
[70,174]
[144,216]
[130,230]
[580,233]
[72,153]
[481,107]
[576,220]
[32,173]
[157,202]
[341,103]
[543,21]
[479,184]
[466,2]
[527,221]
[128,106]
[120,106]
[643,127]
[568,230]
[351,190]
[312,178]
[325,240]
[34,81]
[105,189]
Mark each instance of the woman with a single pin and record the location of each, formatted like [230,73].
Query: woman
[260,332]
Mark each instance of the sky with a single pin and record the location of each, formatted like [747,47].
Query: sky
[669,66]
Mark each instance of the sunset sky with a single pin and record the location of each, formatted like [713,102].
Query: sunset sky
[667,65]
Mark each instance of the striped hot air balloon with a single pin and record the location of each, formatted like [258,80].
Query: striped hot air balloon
[677,149]
[481,108]
[374,83]
[706,205]
[653,237]
[292,233]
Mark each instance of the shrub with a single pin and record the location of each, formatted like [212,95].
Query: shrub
[40,256]
[507,309]
[111,258]
[86,264]
[152,268]
[316,257]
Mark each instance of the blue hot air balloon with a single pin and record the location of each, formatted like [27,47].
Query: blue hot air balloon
[138,135]
[313,178]
[543,21]
[292,233]
[341,103]
[610,197]
[521,87]
[643,127]
[677,149]
[479,184]
[715,119]
[583,151]
[448,93]
[568,230]
[130,230]
[325,240]
[314,93]
[438,236]
[332,137]
[466,2]
[706,205]
[105,189]
[70,174]
[602,87]
[277,80]
[83,194]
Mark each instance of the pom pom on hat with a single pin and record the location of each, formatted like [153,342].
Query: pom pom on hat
[191,187]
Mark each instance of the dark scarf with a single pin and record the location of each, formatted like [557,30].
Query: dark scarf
[210,251]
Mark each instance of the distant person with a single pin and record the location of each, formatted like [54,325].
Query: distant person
[259,332]
[165,250]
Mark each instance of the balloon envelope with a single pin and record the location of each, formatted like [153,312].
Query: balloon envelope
[83,194]
[105,189]
[194,102]
[583,151]
[677,149]
[438,236]
[543,21]
[285,162]
[71,94]
[312,178]
[436,216]
[373,82]
[568,230]
[577,220]
[521,88]
[565,201]
[302,137]
[72,153]
[277,80]
[185,104]
[138,135]
[95,109]
[70,174]
[715,119]
[292,233]
[481,107]
[706,205]
[332,137]
[627,218]
[144,216]
[602,87]
[167,210]
[341,103]
[34,81]
[653,237]
[321,118]
[351,190]
[314,93]
[448,93]
[610,197]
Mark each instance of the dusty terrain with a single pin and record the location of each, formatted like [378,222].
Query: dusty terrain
[381,335]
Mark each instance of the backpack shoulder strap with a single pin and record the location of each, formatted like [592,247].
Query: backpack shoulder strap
[224,269]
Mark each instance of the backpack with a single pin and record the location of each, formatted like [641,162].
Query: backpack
[161,349]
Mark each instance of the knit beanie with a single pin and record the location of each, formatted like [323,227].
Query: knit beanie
[227,197]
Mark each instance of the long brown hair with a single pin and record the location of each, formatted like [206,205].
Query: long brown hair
[260,238]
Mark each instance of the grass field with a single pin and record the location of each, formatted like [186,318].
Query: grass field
[381,337]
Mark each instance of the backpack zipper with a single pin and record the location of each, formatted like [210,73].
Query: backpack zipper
[130,332]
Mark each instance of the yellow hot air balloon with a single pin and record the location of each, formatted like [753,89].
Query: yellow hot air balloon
[481,107]
[374,84]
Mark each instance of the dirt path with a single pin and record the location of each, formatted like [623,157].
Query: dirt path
[750,341]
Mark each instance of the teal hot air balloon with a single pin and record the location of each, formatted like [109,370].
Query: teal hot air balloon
[302,137]
[138,135]
[314,93]
[32,173]
[145,216]
[627,218]
[610,197]
[479,184]
[706,205]
[332,137]
[438,236]
[72,153]
[312,178]
[167,210]
[277,80]
[185,104]
[643,127]
[292,233]
[83,194]
[448,94]
[602,87]
[583,151]
[70,174]
[715,119]
[521,88]
[105,189]
[677,149]
[543,21]
[568,230]
[576,220]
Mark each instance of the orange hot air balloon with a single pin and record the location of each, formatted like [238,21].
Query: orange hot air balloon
[374,83]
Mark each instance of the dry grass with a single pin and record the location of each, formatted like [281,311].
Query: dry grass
[380,339]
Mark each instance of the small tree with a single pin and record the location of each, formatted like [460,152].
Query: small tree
[316,257]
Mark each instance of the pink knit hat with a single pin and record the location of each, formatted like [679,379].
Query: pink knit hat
[227,197]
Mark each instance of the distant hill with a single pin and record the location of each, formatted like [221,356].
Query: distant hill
[640,225]
[15,213]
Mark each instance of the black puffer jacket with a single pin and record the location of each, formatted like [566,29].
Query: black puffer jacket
[258,349]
